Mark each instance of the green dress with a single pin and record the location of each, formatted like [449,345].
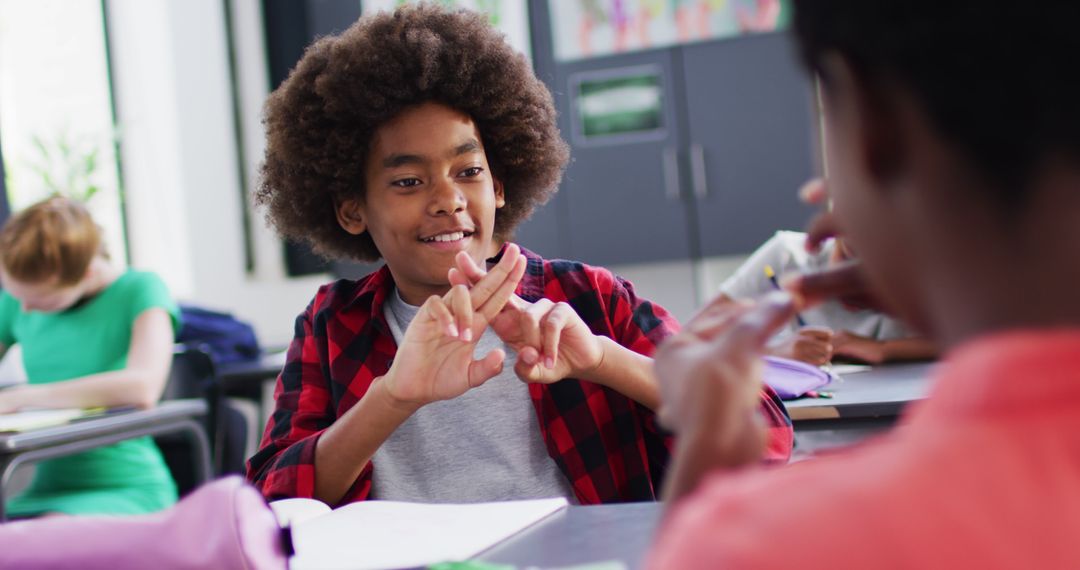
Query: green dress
[129,477]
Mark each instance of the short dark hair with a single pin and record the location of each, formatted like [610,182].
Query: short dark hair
[321,119]
[998,79]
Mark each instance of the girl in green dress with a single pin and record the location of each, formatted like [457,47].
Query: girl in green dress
[91,335]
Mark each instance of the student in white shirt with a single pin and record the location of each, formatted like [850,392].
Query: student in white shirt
[831,329]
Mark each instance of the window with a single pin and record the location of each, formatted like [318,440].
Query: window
[56,109]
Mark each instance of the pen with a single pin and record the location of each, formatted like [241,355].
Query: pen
[772,279]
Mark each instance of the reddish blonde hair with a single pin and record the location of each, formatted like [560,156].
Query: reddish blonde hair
[53,239]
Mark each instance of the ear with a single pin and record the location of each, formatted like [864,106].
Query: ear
[870,118]
[350,216]
[500,195]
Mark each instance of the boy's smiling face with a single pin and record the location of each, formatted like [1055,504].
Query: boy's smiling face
[430,194]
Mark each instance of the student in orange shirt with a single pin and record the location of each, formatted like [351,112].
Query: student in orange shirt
[953,137]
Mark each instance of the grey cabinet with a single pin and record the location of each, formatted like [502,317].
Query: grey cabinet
[751,140]
[718,175]
[622,192]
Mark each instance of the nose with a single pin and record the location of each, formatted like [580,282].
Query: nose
[446,198]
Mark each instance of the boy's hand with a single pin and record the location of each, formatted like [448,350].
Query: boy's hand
[844,281]
[857,347]
[550,338]
[813,345]
[435,359]
[710,378]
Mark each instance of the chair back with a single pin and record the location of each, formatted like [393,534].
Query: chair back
[192,376]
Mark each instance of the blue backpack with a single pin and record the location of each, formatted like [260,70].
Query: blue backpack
[222,335]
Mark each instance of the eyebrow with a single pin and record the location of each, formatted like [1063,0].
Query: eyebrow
[396,160]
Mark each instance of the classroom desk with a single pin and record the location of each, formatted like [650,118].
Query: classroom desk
[864,405]
[246,378]
[579,535]
[172,416]
[877,394]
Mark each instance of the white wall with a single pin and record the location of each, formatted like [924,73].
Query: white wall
[180,163]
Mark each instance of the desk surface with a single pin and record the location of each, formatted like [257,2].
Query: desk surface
[580,535]
[880,392]
[105,425]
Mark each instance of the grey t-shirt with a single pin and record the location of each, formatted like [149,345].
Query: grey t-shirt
[484,445]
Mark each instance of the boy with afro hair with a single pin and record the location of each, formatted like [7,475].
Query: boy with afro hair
[420,137]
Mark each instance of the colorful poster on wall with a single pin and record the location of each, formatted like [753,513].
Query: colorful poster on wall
[510,17]
[591,28]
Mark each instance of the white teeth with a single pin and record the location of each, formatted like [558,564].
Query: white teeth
[455,236]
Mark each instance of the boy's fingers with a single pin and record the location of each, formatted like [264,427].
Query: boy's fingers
[485,285]
[497,298]
[469,268]
[486,368]
[518,304]
[531,320]
[823,224]
[441,314]
[556,320]
[463,311]
[715,304]
[760,322]
[525,371]
[822,227]
[845,281]
[714,319]
[529,355]
[456,277]
[813,191]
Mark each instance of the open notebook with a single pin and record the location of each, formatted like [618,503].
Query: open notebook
[389,534]
[34,419]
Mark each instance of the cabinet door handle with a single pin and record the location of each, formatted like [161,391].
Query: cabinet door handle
[671,173]
[697,171]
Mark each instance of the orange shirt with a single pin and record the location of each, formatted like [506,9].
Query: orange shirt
[983,474]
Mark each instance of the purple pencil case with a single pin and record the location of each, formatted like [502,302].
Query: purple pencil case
[793,378]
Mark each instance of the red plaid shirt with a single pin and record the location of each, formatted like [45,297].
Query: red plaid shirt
[609,447]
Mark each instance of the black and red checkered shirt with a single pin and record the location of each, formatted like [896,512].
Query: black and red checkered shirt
[609,447]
